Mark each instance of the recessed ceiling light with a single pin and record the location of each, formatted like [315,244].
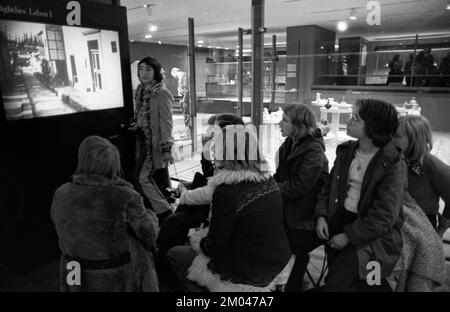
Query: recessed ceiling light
[209,47]
[218,47]
[448,6]
[148,36]
[200,45]
[237,46]
[342,26]
[226,49]
[159,42]
[201,41]
[152,27]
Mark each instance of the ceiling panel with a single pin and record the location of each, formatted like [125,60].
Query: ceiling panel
[217,21]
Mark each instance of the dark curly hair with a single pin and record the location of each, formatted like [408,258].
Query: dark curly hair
[380,118]
[154,63]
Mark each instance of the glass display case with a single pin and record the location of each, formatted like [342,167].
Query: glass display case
[413,62]
[222,80]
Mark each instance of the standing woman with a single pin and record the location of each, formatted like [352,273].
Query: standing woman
[153,126]
[428,176]
[302,164]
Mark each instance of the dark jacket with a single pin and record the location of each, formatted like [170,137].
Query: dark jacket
[376,232]
[300,174]
[246,240]
[430,184]
[98,219]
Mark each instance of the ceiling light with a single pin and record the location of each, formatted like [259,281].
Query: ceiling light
[148,36]
[201,41]
[152,27]
[209,47]
[448,6]
[218,47]
[342,26]
[200,46]
[159,42]
[148,8]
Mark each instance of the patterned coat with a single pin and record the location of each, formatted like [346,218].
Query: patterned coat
[156,103]
[246,243]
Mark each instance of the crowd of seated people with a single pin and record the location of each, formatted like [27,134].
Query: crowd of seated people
[241,229]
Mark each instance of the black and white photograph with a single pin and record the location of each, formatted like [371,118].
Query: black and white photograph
[226,153]
[55,70]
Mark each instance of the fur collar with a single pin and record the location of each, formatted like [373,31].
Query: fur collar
[234,177]
[200,273]
[97,180]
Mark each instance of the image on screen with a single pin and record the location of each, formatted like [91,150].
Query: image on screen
[48,70]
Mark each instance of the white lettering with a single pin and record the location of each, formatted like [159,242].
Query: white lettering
[74,276]
[374,16]
[374,276]
[74,16]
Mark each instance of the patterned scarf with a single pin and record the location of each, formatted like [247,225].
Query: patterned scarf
[143,113]
[414,166]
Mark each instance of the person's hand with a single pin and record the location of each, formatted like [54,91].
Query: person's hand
[180,189]
[339,241]
[322,228]
[441,231]
[133,126]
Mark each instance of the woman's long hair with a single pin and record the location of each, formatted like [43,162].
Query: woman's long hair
[420,140]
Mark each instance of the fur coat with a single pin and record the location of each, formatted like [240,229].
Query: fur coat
[245,247]
[98,219]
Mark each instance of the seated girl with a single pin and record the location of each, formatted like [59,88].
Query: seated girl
[194,203]
[245,247]
[428,176]
[302,164]
[102,224]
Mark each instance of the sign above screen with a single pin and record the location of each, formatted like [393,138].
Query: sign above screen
[56,70]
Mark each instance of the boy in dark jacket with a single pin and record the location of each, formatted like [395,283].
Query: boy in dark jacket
[359,211]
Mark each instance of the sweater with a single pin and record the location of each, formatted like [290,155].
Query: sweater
[421,266]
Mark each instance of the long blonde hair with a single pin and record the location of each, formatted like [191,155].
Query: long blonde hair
[418,131]
[97,155]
